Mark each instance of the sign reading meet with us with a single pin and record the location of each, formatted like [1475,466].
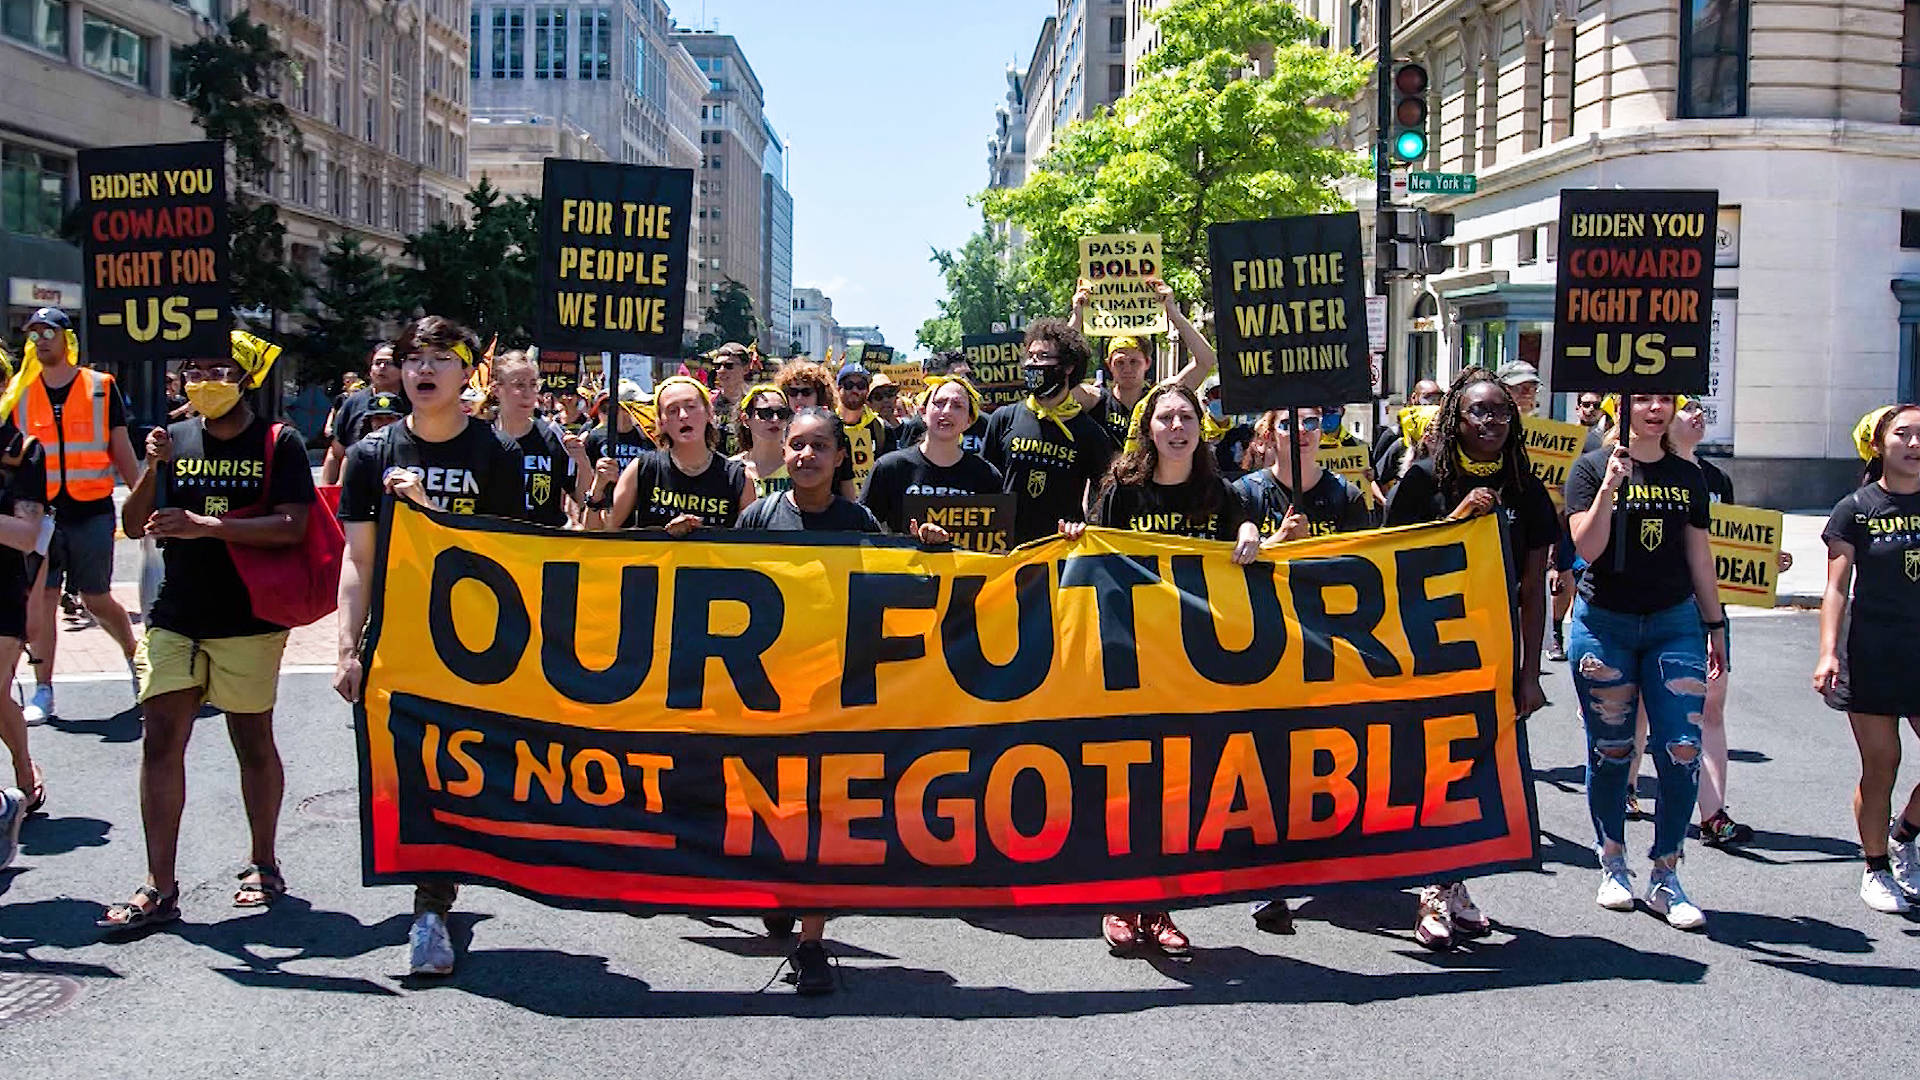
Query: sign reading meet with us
[1633,297]
[613,257]
[1292,318]
[156,251]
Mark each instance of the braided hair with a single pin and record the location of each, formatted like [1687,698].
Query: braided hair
[1442,442]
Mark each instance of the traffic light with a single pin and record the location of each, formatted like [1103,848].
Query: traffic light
[1415,242]
[1409,112]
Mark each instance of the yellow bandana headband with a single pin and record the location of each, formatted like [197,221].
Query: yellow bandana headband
[757,389]
[459,349]
[1124,342]
[684,380]
[974,400]
[254,355]
[1863,433]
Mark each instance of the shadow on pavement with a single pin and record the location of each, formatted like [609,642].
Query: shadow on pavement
[293,923]
[1821,849]
[1038,927]
[121,727]
[59,835]
[1746,930]
[1848,974]
[66,923]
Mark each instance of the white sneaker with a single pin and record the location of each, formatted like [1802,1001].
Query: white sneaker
[133,678]
[430,950]
[1616,884]
[1465,914]
[13,813]
[1434,929]
[1665,896]
[39,707]
[1881,893]
[1906,865]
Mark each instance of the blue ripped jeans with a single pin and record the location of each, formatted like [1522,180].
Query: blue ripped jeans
[1619,661]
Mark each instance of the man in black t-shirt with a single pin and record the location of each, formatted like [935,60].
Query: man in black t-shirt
[1331,504]
[1047,450]
[349,412]
[438,457]
[231,479]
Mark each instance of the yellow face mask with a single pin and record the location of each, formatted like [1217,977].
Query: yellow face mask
[213,400]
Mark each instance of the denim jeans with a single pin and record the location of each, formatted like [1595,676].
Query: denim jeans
[1619,661]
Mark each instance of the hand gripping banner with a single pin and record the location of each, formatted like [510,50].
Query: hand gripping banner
[828,723]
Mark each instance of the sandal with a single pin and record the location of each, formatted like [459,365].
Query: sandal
[37,799]
[261,893]
[128,916]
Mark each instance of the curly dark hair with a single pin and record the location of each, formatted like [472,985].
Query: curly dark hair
[1068,342]
[1200,495]
[809,374]
[434,332]
[1443,438]
[942,362]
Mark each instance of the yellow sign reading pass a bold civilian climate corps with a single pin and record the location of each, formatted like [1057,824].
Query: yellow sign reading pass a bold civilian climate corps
[1118,269]
[751,722]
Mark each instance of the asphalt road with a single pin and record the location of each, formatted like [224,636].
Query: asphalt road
[1793,977]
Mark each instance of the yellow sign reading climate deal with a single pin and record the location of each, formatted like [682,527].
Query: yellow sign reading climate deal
[1746,554]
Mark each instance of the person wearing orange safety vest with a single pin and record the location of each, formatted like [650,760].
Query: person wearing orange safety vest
[81,420]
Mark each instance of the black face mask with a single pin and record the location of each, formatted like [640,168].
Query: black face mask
[1044,380]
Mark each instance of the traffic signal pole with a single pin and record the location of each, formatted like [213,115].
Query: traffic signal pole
[1383,173]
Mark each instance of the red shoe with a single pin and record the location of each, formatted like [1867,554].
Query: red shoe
[1158,925]
[1121,931]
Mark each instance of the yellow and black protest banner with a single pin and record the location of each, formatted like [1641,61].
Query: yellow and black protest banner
[1117,268]
[975,522]
[559,372]
[1633,294]
[1553,446]
[905,374]
[614,245]
[155,245]
[1746,554]
[993,364]
[1291,312]
[1351,462]
[762,721]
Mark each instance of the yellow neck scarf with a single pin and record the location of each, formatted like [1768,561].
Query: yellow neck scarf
[1482,469]
[1059,414]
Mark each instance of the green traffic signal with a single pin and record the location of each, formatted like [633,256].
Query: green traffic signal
[1410,145]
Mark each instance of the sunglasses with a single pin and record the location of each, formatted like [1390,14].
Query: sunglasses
[885,395]
[803,391]
[45,334]
[777,412]
[724,365]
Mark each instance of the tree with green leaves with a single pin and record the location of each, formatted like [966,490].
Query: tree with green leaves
[1200,139]
[231,81]
[353,297]
[987,282]
[480,272]
[731,318]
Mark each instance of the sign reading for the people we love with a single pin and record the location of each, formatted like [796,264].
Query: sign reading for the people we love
[156,250]
[1633,295]
[1746,553]
[613,257]
[1291,319]
[993,361]
[1119,270]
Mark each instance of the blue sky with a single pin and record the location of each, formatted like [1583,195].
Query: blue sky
[888,106]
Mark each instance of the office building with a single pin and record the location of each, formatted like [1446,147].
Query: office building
[730,193]
[776,248]
[813,325]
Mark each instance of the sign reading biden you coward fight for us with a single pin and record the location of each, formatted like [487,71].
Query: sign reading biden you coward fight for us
[1291,312]
[155,249]
[1117,269]
[1633,296]
[835,723]
[613,257]
[993,365]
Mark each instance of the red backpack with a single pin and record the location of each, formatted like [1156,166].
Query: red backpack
[297,585]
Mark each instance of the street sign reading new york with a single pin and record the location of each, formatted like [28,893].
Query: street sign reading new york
[1442,183]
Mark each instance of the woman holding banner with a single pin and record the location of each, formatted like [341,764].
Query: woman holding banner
[807,384]
[685,484]
[814,451]
[937,465]
[1866,668]
[1168,483]
[1648,627]
[1472,460]
[764,413]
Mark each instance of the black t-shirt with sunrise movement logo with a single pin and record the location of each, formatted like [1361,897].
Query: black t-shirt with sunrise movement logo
[201,593]
[663,492]
[1332,505]
[1662,499]
[1884,530]
[1047,469]
[1171,510]
[549,473]
[478,471]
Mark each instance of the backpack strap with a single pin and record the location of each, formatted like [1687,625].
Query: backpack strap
[266,474]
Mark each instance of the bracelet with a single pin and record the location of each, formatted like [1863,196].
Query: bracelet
[1712,626]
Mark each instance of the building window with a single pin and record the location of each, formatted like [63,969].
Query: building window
[33,191]
[337,191]
[473,42]
[1117,79]
[1909,228]
[457,155]
[509,43]
[1713,58]
[113,50]
[596,44]
[177,73]
[39,23]
[303,177]
[339,94]
[398,128]
[549,43]
[1909,64]
[371,114]
[714,87]
[1117,32]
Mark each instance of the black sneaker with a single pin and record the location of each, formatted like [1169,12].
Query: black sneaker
[812,974]
[1721,831]
[779,927]
[1273,916]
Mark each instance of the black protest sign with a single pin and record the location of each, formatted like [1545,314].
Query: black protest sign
[979,523]
[155,247]
[560,372]
[872,356]
[613,257]
[1633,297]
[1292,319]
[993,366]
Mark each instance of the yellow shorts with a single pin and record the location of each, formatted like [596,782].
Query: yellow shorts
[234,675]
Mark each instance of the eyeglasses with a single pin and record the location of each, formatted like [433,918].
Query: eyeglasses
[1044,357]
[1588,406]
[1485,414]
[778,413]
[437,361]
[885,395]
[802,391]
[520,385]
[219,373]
[855,386]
